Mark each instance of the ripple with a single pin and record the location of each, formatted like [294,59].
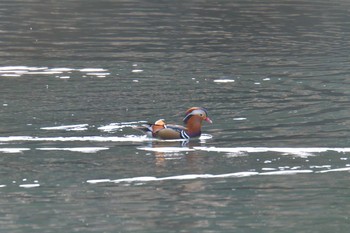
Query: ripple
[178,177]
[127,138]
[224,81]
[301,152]
[79,127]
[75,149]
[18,71]
[118,126]
[13,150]
[166,149]
[270,172]
[136,71]
[131,138]
[29,185]
[335,170]
[86,70]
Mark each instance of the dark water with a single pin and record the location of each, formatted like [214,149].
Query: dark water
[76,76]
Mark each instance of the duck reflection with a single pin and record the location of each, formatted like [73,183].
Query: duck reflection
[170,150]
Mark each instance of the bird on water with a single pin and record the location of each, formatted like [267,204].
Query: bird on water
[193,126]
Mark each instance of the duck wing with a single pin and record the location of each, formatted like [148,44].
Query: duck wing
[173,132]
[178,128]
[164,131]
[151,129]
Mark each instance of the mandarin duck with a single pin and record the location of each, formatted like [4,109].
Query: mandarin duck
[192,129]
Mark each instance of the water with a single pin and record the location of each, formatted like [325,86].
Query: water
[77,76]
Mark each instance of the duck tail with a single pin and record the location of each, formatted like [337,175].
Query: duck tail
[145,128]
[151,129]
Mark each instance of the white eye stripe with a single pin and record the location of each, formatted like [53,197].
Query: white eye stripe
[197,112]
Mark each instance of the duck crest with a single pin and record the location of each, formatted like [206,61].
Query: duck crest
[202,112]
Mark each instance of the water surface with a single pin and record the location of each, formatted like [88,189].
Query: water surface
[77,76]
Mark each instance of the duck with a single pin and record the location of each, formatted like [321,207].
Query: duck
[193,119]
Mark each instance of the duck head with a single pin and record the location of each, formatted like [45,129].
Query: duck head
[197,113]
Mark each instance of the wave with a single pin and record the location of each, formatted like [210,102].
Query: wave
[128,138]
[242,151]
[301,152]
[131,138]
[73,149]
[145,179]
[18,71]
[79,127]
[232,151]
[13,150]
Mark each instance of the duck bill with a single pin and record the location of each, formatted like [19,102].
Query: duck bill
[208,120]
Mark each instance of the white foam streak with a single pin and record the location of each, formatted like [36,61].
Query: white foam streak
[98,74]
[79,127]
[118,126]
[166,149]
[224,81]
[73,139]
[92,70]
[236,174]
[179,177]
[13,150]
[239,119]
[75,149]
[195,176]
[137,71]
[98,181]
[29,185]
[144,179]
[10,75]
[205,137]
[12,68]
[44,72]
[16,71]
[62,69]
[286,172]
[187,177]
[302,152]
[335,170]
